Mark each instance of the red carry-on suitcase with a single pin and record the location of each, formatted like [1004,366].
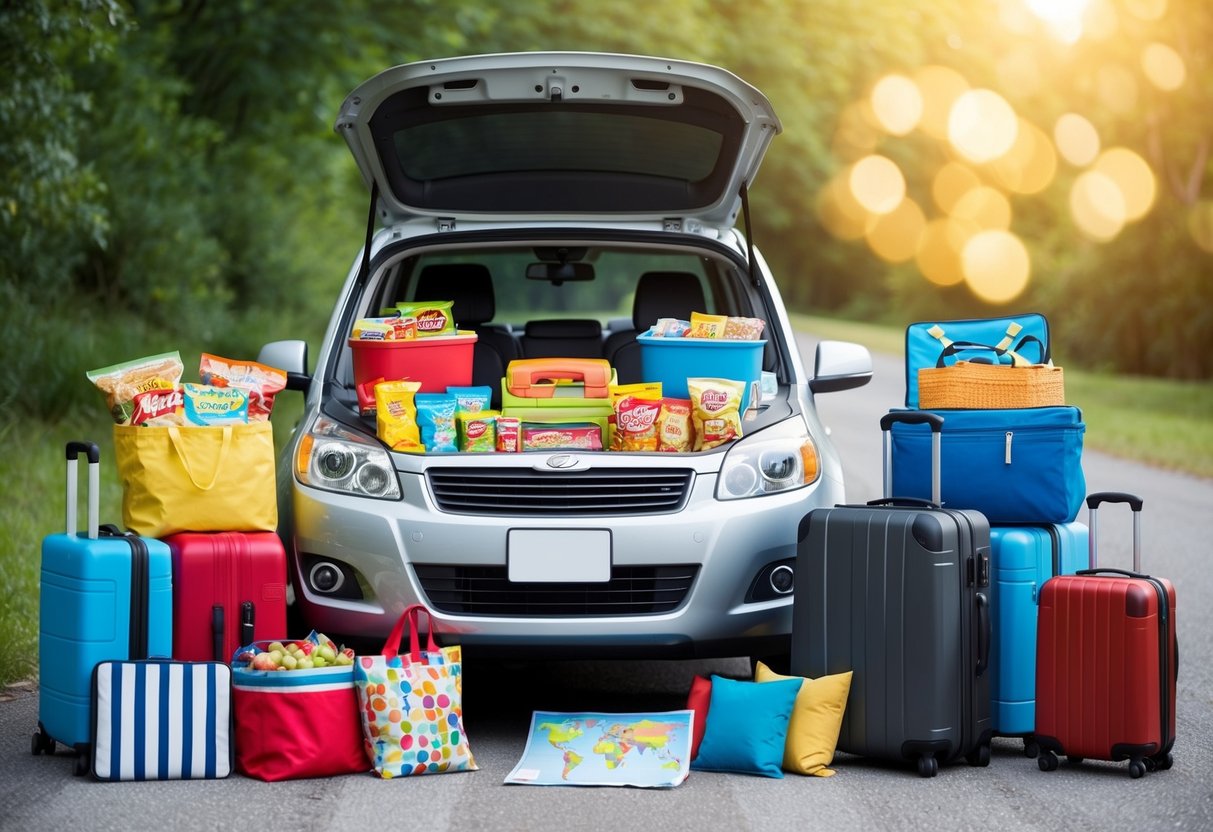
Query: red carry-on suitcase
[229,591]
[1107,661]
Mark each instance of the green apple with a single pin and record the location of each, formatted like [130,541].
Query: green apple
[289,662]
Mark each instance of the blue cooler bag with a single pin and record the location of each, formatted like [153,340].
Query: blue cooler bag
[1014,466]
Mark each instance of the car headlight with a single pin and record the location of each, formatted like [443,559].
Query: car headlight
[780,458]
[335,458]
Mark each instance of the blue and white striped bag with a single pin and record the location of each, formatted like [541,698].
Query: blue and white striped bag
[161,719]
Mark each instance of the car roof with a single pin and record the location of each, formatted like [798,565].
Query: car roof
[558,135]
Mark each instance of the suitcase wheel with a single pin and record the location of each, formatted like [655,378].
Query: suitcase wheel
[1030,748]
[1047,761]
[41,743]
[1137,767]
[1166,762]
[979,756]
[928,766]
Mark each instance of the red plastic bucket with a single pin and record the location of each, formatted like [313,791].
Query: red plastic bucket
[438,362]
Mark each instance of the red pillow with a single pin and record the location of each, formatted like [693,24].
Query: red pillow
[698,701]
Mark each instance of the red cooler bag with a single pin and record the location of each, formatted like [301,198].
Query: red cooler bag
[294,724]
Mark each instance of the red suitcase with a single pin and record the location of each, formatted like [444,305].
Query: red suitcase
[1107,662]
[229,589]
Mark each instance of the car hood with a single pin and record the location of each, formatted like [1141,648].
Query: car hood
[558,135]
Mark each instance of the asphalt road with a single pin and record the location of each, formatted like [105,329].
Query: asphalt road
[1011,794]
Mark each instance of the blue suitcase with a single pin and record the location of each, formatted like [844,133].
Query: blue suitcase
[1022,558]
[104,595]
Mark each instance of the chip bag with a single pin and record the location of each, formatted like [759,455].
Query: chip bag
[205,404]
[636,424]
[433,317]
[707,326]
[120,383]
[436,421]
[715,410]
[396,415]
[477,431]
[674,431]
[261,381]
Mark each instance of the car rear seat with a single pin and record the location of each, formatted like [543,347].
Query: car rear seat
[562,338]
[470,286]
[658,295]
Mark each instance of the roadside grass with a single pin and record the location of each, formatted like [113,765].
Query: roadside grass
[1161,422]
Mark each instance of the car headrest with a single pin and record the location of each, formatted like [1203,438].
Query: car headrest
[666,295]
[469,285]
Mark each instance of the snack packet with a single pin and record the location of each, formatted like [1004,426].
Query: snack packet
[674,430]
[433,317]
[715,410]
[205,404]
[561,436]
[388,328]
[396,416]
[644,389]
[159,407]
[477,431]
[436,421]
[471,399]
[260,381]
[509,434]
[120,383]
[743,329]
[636,424]
[707,326]
[671,328]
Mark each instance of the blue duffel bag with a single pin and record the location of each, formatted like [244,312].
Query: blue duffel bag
[1014,466]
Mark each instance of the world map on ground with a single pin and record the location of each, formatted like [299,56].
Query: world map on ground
[603,749]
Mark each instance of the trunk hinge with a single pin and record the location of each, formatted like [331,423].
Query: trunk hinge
[749,237]
[671,224]
[445,223]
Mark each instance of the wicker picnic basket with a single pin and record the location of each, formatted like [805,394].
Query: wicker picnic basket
[978,386]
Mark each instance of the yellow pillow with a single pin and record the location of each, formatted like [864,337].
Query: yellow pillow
[815,723]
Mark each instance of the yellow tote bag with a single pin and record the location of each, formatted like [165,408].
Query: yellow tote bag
[216,478]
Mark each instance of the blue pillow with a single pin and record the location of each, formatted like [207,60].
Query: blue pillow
[747,726]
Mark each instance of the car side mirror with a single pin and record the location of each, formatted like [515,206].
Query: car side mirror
[840,365]
[290,357]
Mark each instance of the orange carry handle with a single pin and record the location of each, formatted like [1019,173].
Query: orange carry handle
[535,378]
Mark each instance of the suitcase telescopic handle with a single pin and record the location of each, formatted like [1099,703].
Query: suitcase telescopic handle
[1135,503]
[913,417]
[90,450]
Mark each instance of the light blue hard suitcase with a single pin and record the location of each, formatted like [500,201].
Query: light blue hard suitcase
[104,595]
[1022,558]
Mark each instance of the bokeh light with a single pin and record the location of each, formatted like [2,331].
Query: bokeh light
[996,266]
[1019,70]
[838,211]
[1200,224]
[1063,18]
[953,181]
[982,126]
[1031,163]
[877,184]
[1132,176]
[984,208]
[939,86]
[1077,140]
[1163,67]
[857,134]
[1116,89]
[894,236]
[1100,22]
[938,255]
[1097,206]
[897,104]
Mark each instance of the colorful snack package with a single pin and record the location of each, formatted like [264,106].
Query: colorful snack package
[636,424]
[671,328]
[561,436]
[707,326]
[743,329]
[396,416]
[477,431]
[120,383]
[644,389]
[509,434]
[433,317]
[388,328]
[471,399]
[159,407]
[715,410]
[205,404]
[436,421]
[674,430]
[260,381]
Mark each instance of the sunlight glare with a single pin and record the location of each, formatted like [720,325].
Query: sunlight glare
[838,211]
[1064,18]
[953,181]
[1077,140]
[982,126]
[894,237]
[1132,176]
[938,255]
[877,184]
[897,103]
[985,208]
[1097,205]
[1200,224]
[1029,166]
[940,86]
[1163,66]
[996,266]
[1146,9]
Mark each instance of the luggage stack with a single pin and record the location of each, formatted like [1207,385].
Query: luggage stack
[110,597]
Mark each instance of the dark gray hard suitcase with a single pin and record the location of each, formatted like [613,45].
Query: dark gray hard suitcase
[898,591]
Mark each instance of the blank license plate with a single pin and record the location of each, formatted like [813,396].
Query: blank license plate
[559,555]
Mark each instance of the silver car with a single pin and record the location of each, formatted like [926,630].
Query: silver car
[549,195]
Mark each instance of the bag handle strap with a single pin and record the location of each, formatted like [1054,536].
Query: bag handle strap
[174,435]
[412,617]
[1006,346]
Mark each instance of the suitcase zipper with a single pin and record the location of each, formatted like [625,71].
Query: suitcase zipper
[1164,660]
[137,648]
[1007,459]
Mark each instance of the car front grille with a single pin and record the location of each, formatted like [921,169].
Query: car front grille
[487,590]
[598,492]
